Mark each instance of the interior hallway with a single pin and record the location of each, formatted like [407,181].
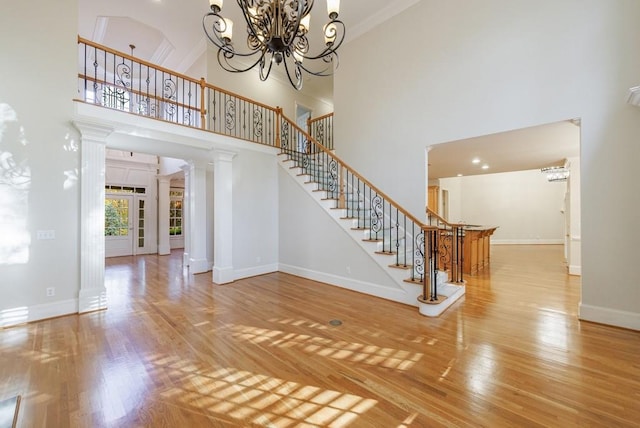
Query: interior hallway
[175,350]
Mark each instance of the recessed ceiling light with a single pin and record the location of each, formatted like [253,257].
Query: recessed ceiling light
[459,175]
[475,160]
[485,166]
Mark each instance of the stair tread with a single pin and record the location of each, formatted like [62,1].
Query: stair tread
[400,266]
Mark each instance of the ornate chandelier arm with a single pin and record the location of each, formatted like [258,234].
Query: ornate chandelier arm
[297,71]
[334,33]
[224,57]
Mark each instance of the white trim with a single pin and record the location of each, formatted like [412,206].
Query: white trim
[100,29]
[527,241]
[255,271]
[394,294]
[223,275]
[575,270]
[92,299]
[609,316]
[21,315]
[162,51]
[199,265]
[451,292]
[193,55]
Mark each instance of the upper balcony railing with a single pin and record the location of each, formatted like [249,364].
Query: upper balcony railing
[120,81]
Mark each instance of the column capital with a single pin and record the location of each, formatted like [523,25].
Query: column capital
[223,155]
[92,131]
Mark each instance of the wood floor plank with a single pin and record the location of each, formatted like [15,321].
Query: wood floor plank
[175,350]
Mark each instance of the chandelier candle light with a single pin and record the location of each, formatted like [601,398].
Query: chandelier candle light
[276,33]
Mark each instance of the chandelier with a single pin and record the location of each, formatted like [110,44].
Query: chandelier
[276,34]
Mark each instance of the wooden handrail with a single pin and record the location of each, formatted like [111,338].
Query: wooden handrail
[429,211]
[355,173]
[138,60]
[233,94]
[315,119]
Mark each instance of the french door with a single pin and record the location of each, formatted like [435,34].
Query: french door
[118,225]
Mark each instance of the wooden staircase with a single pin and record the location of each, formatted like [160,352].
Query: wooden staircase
[387,244]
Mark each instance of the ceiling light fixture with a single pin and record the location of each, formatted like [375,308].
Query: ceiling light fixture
[485,166]
[556,173]
[475,161]
[276,33]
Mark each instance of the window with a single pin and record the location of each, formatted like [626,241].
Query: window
[140,223]
[116,219]
[175,212]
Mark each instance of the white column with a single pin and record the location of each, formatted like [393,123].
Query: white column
[223,217]
[93,293]
[164,244]
[197,231]
[186,212]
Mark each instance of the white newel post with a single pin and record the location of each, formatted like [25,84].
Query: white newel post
[197,212]
[93,293]
[223,217]
[164,243]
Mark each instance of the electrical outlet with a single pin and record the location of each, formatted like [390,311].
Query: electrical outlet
[45,234]
[51,291]
[349,270]
[258,259]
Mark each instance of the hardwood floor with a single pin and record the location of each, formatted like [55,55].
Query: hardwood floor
[174,350]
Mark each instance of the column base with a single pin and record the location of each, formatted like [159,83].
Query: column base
[223,275]
[199,266]
[92,299]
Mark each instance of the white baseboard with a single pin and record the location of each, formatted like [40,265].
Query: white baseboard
[223,275]
[24,314]
[575,270]
[610,316]
[199,265]
[527,241]
[395,294]
[255,271]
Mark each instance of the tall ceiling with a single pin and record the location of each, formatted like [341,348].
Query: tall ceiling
[169,33]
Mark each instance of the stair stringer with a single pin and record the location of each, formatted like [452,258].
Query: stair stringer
[404,292]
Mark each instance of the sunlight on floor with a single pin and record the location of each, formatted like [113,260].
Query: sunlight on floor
[256,398]
[339,350]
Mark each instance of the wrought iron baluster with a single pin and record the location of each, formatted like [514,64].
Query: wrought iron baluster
[404,252]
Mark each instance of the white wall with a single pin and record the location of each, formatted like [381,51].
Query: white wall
[255,213]
[313,245]
[43,140]
[462,69]
[273,92]
[526,207]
